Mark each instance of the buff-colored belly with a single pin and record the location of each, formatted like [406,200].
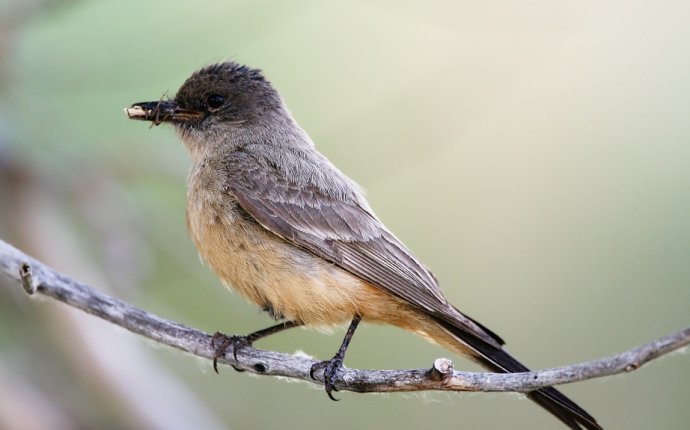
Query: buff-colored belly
[294,283]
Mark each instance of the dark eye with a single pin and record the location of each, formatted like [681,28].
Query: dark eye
[215,101]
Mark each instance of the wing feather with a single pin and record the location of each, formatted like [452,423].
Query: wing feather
[341,229]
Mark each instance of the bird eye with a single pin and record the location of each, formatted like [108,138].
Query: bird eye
[215,101]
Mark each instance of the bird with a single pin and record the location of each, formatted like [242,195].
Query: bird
[281,225]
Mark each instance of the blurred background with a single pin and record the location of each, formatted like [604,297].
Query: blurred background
[536,155]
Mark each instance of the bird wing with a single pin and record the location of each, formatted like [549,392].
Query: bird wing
[341,230]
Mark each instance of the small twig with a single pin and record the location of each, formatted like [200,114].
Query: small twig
[29,272]
[27,279]
[441,371]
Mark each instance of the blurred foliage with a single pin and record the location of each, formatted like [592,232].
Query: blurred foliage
[534,154]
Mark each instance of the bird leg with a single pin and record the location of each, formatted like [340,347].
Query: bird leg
[220,342]
[334,365]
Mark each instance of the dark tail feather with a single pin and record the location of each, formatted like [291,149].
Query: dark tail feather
[548,398]
[564,409]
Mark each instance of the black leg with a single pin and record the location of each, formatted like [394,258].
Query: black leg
[221,342]
[332,366]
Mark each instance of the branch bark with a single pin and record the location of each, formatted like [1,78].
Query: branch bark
[37,278]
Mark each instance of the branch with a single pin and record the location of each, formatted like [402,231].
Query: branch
[35,277]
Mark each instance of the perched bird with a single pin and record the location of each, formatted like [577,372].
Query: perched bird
[281,225]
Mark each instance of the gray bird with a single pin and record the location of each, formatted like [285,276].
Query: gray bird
[281,225]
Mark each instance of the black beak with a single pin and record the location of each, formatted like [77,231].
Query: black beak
[162,111]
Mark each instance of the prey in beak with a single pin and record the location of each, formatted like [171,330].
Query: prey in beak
[162,111]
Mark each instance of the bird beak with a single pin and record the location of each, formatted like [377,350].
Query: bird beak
[161,111]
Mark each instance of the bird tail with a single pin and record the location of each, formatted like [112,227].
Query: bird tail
[498,360]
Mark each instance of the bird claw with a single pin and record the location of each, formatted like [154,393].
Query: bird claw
[330,373]
[220,343]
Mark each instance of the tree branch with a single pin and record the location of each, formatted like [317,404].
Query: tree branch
[35,277]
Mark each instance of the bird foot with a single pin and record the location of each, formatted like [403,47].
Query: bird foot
[330,373]
[221,342]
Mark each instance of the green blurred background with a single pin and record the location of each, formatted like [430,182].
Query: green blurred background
[536,155]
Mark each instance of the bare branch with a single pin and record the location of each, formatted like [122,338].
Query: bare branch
[34,276]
